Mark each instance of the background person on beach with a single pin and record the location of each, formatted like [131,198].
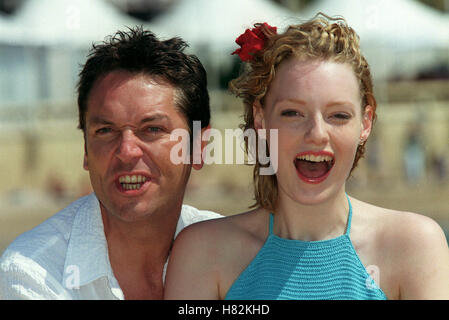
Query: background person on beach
[306,238]
[134,90]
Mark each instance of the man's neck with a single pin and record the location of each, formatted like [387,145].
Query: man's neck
[138,252]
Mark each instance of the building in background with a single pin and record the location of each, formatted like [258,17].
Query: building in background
[43,42]
[143,9]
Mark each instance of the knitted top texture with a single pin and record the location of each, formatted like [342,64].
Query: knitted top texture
[287,269]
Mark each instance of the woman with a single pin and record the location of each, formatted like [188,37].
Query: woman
[307,239]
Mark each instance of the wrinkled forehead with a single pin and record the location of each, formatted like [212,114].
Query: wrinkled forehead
[117,78]
[113,80]
[132,94]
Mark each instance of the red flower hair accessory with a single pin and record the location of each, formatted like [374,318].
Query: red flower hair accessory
[253,40]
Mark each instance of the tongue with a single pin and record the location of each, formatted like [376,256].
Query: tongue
[311,169]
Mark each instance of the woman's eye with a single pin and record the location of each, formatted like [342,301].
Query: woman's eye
[341,116]
[290,113]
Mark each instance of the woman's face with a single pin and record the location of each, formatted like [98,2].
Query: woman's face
[316,108]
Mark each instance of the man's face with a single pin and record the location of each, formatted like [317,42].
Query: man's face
[129,119]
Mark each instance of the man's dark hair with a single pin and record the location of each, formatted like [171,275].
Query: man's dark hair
[139,51]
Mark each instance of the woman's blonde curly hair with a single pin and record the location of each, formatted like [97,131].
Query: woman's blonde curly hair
[321,38]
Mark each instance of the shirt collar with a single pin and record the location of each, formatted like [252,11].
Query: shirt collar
[87,253]
[87,256]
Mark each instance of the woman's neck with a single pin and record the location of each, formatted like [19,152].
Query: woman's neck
[311,222]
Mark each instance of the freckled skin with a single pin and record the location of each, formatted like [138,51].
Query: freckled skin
[315,107]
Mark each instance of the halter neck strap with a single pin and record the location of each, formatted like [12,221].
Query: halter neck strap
[270,228]
[348,226]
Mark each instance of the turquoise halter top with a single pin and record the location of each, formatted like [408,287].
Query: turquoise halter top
[287,269]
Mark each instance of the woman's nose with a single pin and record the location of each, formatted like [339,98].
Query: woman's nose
[317,131]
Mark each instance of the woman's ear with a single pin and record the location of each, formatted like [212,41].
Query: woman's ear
[367,122]
[259,121]
[203,141]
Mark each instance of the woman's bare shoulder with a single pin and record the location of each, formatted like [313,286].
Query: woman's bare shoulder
[414,245]
[395,225]
[221,232]
[398,228]
[208,255]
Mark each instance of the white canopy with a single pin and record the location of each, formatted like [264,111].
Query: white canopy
[8,30]
[401,24]
[398,37]
[216,23]
[69,22]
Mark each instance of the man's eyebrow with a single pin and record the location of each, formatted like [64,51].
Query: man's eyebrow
[99,120]
[155,117]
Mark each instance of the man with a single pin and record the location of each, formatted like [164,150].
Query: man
[134,90]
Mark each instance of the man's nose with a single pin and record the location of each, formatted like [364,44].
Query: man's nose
[129,148]
[317,131]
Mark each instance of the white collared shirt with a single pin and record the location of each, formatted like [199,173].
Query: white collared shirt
[66,257]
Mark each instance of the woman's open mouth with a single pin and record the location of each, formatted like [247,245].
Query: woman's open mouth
[314,167]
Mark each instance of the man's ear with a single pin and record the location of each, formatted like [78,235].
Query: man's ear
[202,140]
[367,122]
[85,166]
[259,122]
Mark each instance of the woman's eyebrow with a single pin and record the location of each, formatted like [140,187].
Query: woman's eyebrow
[293,101]
[339,103]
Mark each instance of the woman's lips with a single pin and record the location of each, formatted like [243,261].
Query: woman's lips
[314,166]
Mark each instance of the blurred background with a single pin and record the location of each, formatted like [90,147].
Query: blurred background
[44,42]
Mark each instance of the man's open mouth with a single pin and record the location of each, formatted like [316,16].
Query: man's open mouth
[314,167]
[132,182]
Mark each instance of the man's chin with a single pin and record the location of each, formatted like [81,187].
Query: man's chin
[129,209]
[126,212]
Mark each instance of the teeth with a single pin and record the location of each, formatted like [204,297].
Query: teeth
[130,186]
[313,158]
[132,179]
[133,182]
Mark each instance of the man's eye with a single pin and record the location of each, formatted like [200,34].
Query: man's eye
[153,129]
[103,131]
